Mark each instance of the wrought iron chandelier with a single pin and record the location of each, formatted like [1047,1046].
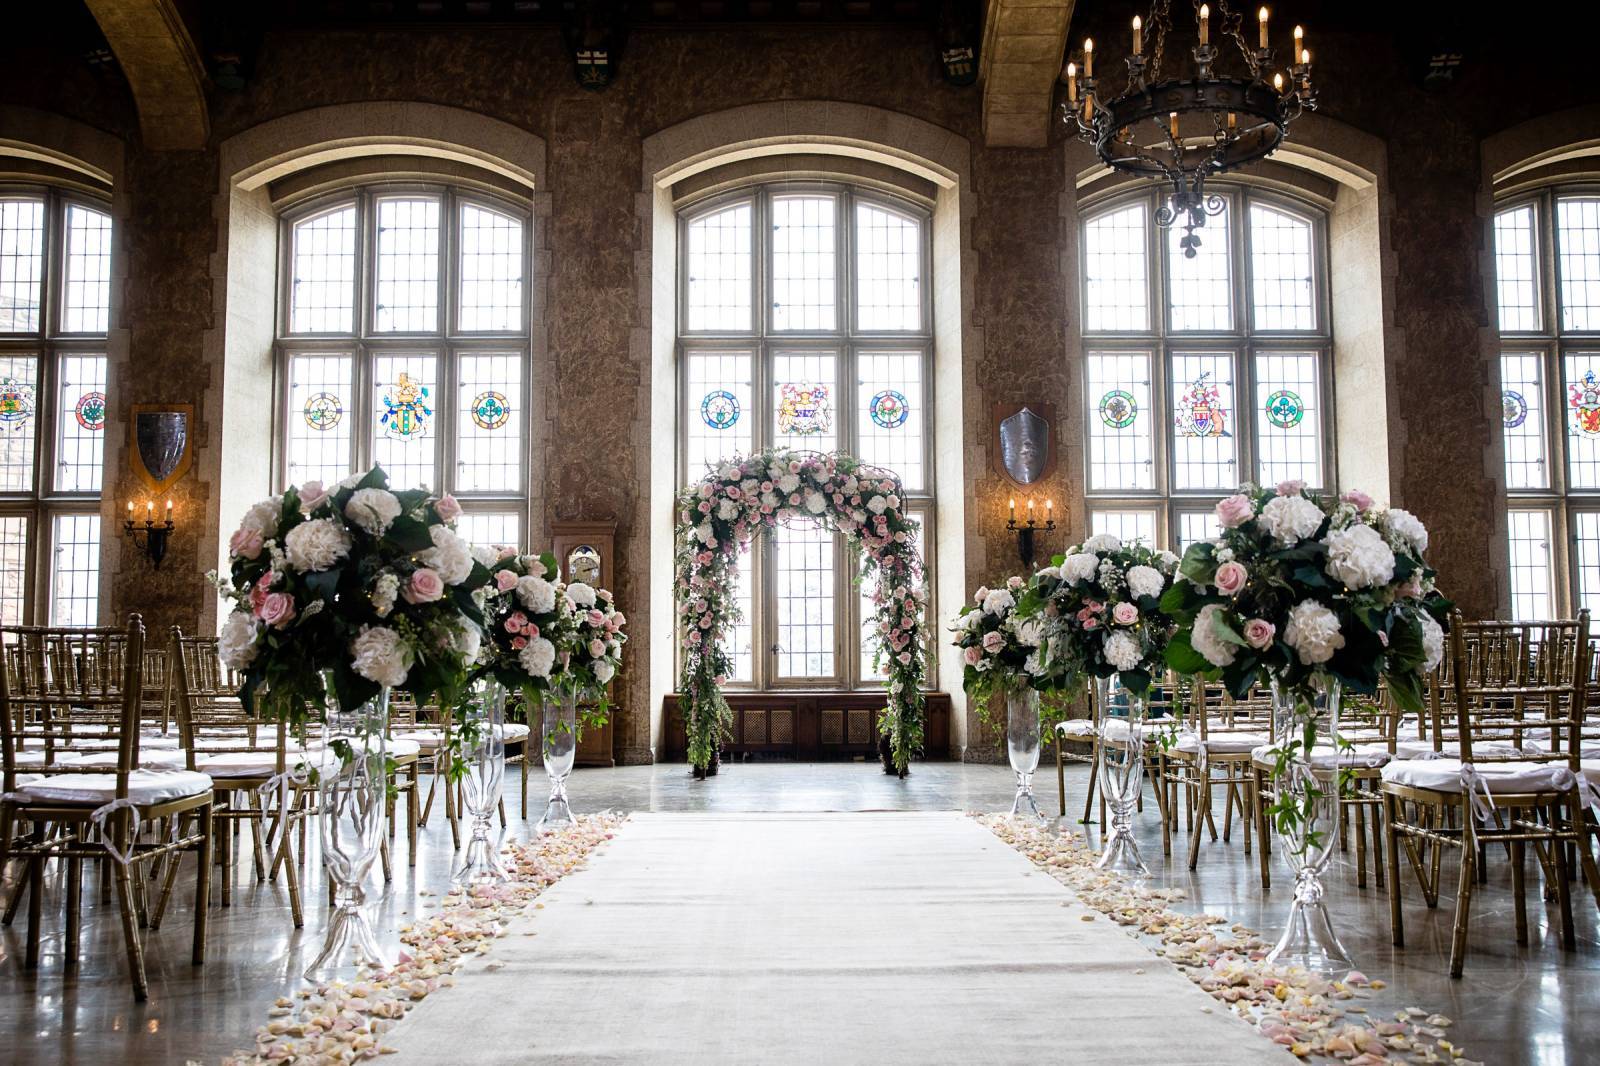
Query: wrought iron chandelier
[1183,129]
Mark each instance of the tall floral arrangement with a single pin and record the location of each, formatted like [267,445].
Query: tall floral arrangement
[371,584]
[744,496]
[1000,644]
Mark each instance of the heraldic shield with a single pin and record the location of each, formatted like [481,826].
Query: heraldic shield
[163,445]
[1026,449]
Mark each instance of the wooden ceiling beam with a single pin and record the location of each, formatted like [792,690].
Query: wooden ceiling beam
[1023,42]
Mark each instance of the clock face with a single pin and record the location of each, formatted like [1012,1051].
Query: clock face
[584,565]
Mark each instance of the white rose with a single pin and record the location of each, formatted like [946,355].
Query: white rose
[580,595]
[727,510]
[263,517]
[877,505]
[1359,557]
[1030,632]
[1105,542]
[374,510]
[1081,566]
[236,647]
[998,600]
[536,594]
[604,671]
[971,620]
[815,503]
[1290,519]
[537,657]
[384,591]
[381,656]
[486,555]
[1432,643]
[467,639]
[788,483]
[316,545]
[705,533]
[1122,650]
[1145,581]
[1204,638]
[1407,529]
[449,555]
[1313,630]
[1051,571]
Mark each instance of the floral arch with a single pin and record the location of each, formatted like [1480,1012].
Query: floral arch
[740,498]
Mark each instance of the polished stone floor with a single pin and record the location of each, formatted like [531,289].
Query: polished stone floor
[1536,1004]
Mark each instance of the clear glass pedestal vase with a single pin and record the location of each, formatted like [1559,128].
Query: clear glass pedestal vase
[352,801]
[560,732]
[1309,794]
[1022,746]
[1120,751]
[480,726]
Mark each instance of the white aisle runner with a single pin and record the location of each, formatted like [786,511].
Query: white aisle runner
[873,938]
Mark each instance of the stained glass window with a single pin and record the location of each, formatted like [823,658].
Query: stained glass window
[805,396]
[1203,422]
[408,266]
[888,269]
[19,421]
[21,264]
[1583,419]
[718,279]
[890,415]
[1289,417]
[1522,419]
[322,292]
[1281,274]
[719,420]
[489,422]
[803,263]
[1517,268]
[80,428]
[1532,593]
[405,405]
[75,592]
[86,306]
[1116,274]
[1121,428]
[803,559]
[321,419]
[491,270]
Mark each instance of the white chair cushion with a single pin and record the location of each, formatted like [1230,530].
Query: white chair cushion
[400,748]
[1076,727]
[148,760]
[1221,743]
[427,739]
[1589,748]
[35,760]
[1421,749]
[1444,775]
[152,741]
[1359,757]
[514,732]
[258,763]
[144,787]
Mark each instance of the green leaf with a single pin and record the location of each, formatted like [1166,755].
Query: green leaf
[409,534]
[374,479]
[1182,657]
[1223,631]
[1135,681]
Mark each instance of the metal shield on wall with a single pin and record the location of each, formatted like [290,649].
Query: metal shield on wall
[163,442]
[1025,446]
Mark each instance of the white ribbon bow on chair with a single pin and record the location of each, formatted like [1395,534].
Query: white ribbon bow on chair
[1565,780]
[298,774]
[102,813]
[1476,786]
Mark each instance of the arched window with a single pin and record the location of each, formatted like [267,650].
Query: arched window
[1204,372]
[403,341]
[55,305]
[1547,266]
[804,322]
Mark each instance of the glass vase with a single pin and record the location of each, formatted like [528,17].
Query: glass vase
[1311,833]
[1120,732]
[352,789]
[1022,745]
[560,749]
[482,754]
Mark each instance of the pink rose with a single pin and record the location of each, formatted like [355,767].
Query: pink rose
[1358,499]
[507,551]
[258,591]
[518,643]
[311,494]
[447,508]
[1290,487]
[1014,582]
[505,580]
[245,543]
[971,656]
[425,586]
[1235,511]
[905,658]
[597,648]
[1230,578]
[1125,614]
[530,630]
[1258,633]
[276,610]
[993,642]
[596,618]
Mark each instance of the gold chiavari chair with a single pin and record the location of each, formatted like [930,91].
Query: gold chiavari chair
[1075,741]
[1214,748]
[1516,684]
[92,683]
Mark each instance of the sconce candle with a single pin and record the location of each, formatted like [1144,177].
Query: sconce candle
[151,537]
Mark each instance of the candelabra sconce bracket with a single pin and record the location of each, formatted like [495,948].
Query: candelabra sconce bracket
[1025,531]
[150,538]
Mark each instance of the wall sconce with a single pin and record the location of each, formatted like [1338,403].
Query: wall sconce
[151,537]
[1025,530]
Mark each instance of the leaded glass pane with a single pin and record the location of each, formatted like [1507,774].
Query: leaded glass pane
[1121,423]
[491,270]
[404,407]
[717,410]
[803,557]
[1289,418]
[407,277]
[13,569]
[19,421]
[1531,587]
[890,419]
[869,629]
[1115,269]
[21,264]
[86,275]
[80,423]
[1200,289]
[804,282]
[1196,526]
[1578,240]
[1522,419]
[1203,422]
[1586,532]
[742,640]
[489,420]
[804,399]
[718,264]
[888,270]
[1281,277]
[1516,268]
[1583,420]
[495,529]
[322,294]
[321,418]
[75,576]
[1126,525]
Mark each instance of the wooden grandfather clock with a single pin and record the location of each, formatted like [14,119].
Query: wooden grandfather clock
[583,551]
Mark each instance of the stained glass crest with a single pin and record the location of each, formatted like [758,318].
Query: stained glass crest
[889,409]
[91,411]
[804,410]
[1284,409]
[1118,409]
[406,410]
[720,409]
[1513,408]
[16,404]
[1201,412]
[490,410]
[322,411]
[1583,402]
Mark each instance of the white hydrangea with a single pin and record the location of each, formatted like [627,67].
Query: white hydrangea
[1407,529]
[788,483]
[1034,664]
[580,594]
[997,601]
[380,655]
[1358,557]
[449,555]
[1313,632]
[537,657]
[970,621]
[263,517]
[1122,650]
[536,594]
[816,503]
[1145,581]
[604,671]
[1290,519]
[1051,571]
[384,591]
[316,545]
[466,638]
[728,471]
[1104,542]
[236,647]
[1169,562]
[1432,643]
[374,510]
[1029,631]
[705,534]
[1081,566]
[486,555]
[1217,652]
[877,505]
